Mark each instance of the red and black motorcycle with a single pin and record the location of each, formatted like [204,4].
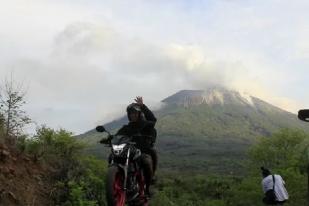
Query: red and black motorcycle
[125,181]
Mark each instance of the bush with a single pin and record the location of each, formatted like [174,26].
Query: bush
[80,178]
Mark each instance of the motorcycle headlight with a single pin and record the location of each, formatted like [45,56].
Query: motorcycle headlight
[117,149]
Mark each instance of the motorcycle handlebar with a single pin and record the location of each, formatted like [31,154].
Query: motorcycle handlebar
[107,141]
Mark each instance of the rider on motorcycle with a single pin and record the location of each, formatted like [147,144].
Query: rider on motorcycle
[142,122]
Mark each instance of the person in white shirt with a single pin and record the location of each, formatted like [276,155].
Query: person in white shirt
[268,183]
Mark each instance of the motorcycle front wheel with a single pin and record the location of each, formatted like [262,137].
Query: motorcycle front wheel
[115,195]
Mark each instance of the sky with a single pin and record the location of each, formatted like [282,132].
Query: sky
[82,62]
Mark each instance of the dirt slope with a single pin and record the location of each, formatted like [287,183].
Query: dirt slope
[22,181]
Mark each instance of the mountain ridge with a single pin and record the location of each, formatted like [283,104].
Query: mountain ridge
[216,95]
[210,130]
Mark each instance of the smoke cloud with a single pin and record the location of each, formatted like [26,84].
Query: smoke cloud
[84,65]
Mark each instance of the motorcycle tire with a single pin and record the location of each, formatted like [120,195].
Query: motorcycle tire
[115,195]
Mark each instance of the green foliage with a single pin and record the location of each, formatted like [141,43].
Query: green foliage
[303,156]
[92,179]
[281,150]
[78,195]
[85,186]
[195,190]
[295,184]
[79,178]
[21,143]
[282,153]
[81,182]
[161,199]
[215,203]
[246,192]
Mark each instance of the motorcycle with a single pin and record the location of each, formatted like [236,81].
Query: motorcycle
[125,181]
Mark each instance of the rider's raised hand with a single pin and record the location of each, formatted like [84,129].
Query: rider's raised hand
[139,100]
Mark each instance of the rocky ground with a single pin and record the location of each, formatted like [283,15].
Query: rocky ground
[23,181]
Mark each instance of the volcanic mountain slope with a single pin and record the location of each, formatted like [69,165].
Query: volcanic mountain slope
[209,130]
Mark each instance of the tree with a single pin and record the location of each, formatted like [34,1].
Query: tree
[278,151]
[79,177]
[285,151]
[1,127]
[12,99]
[303,157]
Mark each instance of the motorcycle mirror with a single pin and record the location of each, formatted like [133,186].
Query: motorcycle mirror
[303,115]
[100,129]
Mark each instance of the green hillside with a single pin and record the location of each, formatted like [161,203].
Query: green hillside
[208,131]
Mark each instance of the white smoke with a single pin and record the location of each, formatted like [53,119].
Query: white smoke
[86,64]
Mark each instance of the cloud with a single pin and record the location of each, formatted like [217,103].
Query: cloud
[93,72]
[86,63]
[83,39]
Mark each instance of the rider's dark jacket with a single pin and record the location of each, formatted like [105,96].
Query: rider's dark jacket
[143,129]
